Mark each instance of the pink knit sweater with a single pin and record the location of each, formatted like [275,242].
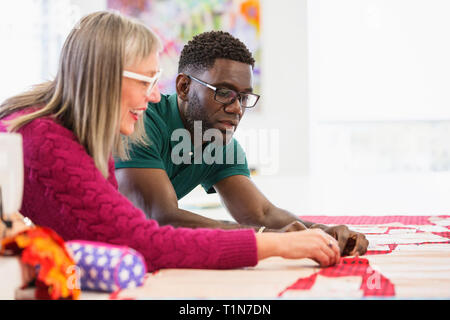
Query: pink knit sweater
[64,190]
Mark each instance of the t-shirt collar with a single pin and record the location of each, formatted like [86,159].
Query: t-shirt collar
[176,122]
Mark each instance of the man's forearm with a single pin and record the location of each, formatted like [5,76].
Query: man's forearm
[277,218]
[188,219]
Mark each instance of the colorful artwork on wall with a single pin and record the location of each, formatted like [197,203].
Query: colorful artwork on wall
[177,21]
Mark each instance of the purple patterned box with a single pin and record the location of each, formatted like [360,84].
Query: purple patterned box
[105,267]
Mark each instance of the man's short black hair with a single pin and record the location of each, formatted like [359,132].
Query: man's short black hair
[202,51]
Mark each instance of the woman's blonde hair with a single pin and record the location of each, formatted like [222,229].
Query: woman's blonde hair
[85,96]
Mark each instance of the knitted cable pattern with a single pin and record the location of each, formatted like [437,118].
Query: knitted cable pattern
[63,190]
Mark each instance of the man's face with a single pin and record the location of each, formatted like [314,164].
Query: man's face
[202,106]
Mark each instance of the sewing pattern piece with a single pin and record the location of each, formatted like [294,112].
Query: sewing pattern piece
[373,283]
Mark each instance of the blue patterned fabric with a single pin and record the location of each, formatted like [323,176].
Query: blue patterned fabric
[108,268]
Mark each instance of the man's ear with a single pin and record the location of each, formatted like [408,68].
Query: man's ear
[182,86]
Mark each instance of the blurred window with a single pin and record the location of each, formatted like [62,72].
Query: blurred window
[32,34]
[378,85]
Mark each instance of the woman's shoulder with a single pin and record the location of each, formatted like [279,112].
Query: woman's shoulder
[50,124]
[46,123]
[42,127]
[47,136]
[46,143]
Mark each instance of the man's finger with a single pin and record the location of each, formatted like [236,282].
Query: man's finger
[342,237]
[361,245]
[294,226]
[364,245]
[299,226]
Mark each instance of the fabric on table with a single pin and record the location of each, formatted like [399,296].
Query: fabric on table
[368,220]
[372,282]
[51,267]
[104,267]
[407,220]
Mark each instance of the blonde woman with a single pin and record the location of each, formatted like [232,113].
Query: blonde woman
[72,125]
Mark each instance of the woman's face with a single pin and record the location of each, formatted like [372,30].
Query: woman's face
[134,93]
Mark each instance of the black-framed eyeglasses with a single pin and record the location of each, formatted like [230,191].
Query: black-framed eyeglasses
[228,96]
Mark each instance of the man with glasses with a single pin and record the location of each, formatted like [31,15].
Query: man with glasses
[213,91]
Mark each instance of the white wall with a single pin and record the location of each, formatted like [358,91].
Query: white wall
[281,126]
[379,60]
[284,86]
[88,6]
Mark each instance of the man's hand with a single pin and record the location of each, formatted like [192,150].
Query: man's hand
[291,227]
[294,226]
[350,242]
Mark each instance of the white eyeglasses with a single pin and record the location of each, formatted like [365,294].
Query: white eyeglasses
[151,81]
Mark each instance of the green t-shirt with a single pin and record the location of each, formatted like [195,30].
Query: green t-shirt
[190,167]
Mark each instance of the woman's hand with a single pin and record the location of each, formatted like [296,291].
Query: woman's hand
[314,244]
[351,243]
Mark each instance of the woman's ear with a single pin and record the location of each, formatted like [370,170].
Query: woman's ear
[182,86]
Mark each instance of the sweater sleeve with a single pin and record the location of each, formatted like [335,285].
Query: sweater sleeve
[66,192]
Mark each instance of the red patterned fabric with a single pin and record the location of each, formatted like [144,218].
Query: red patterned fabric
[443,234]
[367,220]
[391,248]
[414,220]
[64,191]
[372,282]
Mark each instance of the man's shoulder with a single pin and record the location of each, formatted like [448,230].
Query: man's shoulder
[234,146]
[158,115]
[163,108]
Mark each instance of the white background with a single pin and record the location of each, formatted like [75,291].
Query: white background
[329,69]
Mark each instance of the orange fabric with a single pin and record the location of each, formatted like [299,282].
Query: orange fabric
[44,251]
